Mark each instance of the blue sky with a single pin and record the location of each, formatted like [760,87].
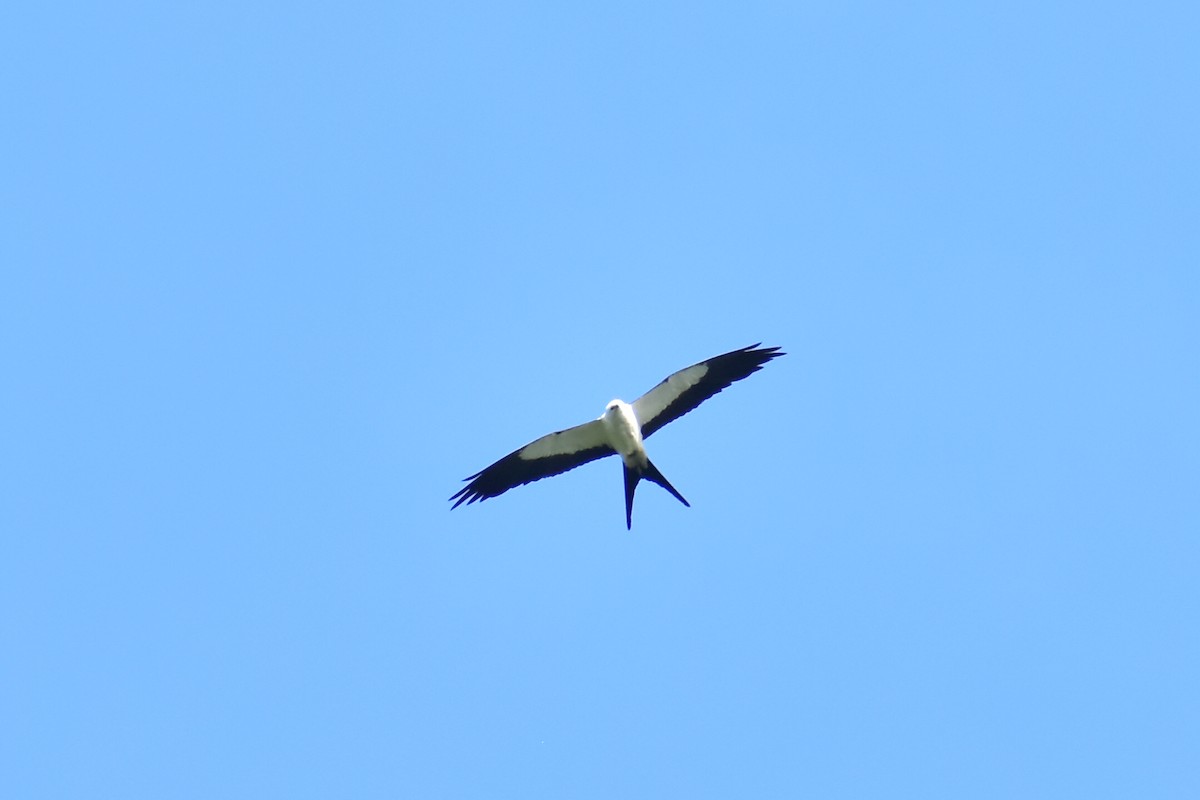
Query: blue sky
[278,276]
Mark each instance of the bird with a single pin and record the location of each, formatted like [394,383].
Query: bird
[622,429]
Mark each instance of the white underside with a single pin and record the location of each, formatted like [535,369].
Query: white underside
[658,399]
[624,432]
[572,440]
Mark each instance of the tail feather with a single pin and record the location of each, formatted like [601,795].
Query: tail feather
[632,476]
[650,473]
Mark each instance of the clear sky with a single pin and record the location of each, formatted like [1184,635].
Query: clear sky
[277,276]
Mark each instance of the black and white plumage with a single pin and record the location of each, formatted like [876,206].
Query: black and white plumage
[621,429]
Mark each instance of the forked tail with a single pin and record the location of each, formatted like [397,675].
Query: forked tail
[650,473]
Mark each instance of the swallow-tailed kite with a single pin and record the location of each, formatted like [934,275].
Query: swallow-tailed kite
[620,429]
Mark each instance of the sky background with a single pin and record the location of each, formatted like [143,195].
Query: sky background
[277,276]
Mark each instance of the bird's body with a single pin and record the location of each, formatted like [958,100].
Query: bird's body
[624,433]
[621,430]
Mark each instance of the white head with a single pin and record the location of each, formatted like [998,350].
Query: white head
[613,409]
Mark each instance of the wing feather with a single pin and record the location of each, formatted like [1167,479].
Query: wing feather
[682,391]
[552,454]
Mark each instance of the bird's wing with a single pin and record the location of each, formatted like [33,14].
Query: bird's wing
[541,458]
[688,388]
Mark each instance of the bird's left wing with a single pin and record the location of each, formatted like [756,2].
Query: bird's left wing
[682,391]
[541,458]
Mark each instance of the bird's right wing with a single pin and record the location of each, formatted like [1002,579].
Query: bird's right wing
[553,453]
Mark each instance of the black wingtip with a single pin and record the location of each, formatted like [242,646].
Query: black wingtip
[466,494]
[762,355]
[769,352]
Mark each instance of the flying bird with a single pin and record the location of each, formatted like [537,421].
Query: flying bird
[621,429]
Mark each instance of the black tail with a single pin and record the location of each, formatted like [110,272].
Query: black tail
[632,476]
[650,473]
